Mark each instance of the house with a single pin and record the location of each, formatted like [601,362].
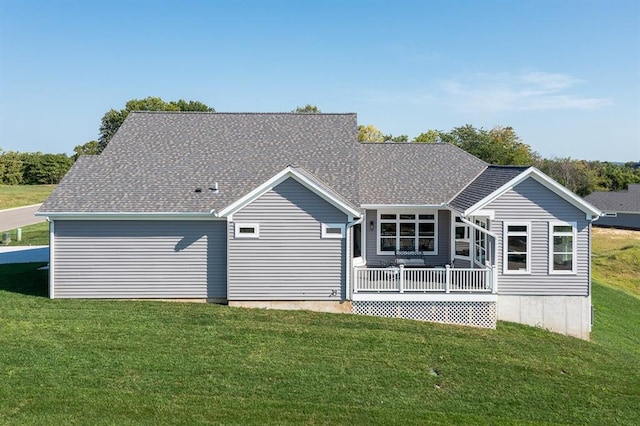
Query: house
[290,211]
[620,209]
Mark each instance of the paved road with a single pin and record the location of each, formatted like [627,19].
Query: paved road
[21,216]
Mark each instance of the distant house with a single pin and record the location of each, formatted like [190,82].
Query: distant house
[291,211]
[620,209]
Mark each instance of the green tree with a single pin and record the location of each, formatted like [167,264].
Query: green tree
[400,138]
[369,133]
[576,175]
[89,148]
[500,145]
[39,168]
[10,168]
[430,136]
[307,109]
[113,119]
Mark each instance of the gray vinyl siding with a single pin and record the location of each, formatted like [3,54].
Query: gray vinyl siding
[623,220]
[289,260]
[444,240]
[532,202]
[139,259]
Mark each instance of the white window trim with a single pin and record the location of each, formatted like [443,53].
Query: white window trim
[505,248]
[398,212]
[255,226]
[326,234]
[467,239]
[476,243]
[574,247]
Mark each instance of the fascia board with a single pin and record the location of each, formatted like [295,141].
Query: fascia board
[126,216]
[544,180]
[285,174]
[402,206]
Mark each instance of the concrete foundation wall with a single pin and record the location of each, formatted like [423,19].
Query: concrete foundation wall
[295,305]
[569,315]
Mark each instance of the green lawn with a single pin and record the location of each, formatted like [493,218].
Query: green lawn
[616,258]
[23,195]
[118,362]
[32,235]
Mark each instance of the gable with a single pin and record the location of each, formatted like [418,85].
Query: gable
[532,201]
[551,185]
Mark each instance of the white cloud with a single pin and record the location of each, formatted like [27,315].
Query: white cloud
[525,91]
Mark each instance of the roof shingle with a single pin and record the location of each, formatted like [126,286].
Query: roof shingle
[492,178]
[627,201]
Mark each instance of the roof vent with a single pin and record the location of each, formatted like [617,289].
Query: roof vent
[214,187]
[198,190]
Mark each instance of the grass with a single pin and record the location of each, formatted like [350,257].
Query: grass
[616,258]
[23,195]
[32,235]
[117,362]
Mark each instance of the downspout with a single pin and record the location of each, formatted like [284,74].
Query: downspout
[347,263]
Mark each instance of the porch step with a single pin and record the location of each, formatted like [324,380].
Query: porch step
[477,314]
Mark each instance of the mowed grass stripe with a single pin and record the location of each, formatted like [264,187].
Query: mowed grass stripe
[126,362]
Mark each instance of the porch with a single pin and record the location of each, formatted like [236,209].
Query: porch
[410,282]
[464,296]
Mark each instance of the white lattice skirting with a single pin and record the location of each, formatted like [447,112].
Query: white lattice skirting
[478,314]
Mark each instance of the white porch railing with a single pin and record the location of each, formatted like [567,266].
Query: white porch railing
[422,280]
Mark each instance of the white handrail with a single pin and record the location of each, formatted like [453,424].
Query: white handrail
[407,280]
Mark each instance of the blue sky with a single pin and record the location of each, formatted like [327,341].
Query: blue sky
[564,74]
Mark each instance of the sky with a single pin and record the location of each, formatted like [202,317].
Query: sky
[565,74]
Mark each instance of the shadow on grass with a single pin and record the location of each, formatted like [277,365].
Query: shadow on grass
[24,278]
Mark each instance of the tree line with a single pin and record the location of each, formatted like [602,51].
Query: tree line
[499,145]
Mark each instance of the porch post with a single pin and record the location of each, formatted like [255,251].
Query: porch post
[401,278]
[447,278]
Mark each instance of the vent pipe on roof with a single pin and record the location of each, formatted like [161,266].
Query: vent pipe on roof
[214,188]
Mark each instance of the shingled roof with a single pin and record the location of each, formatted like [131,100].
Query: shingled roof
[414,173]
[626,201]
[492,178]
[156,160]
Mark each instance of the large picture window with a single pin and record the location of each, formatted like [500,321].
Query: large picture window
[407,232]
[517,248]
[562,255]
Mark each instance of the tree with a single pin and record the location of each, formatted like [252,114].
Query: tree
[39,168]
[369,133]
[307,109]
[10,168]
[400,138]
[500,145]
[430,136]
[89,148]
[113,119]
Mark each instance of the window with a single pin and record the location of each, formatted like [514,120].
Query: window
[247,230]
[407,232]
[517,248]
[333,230]
[562,254]
[357,241]
[480,242]
[462,238]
